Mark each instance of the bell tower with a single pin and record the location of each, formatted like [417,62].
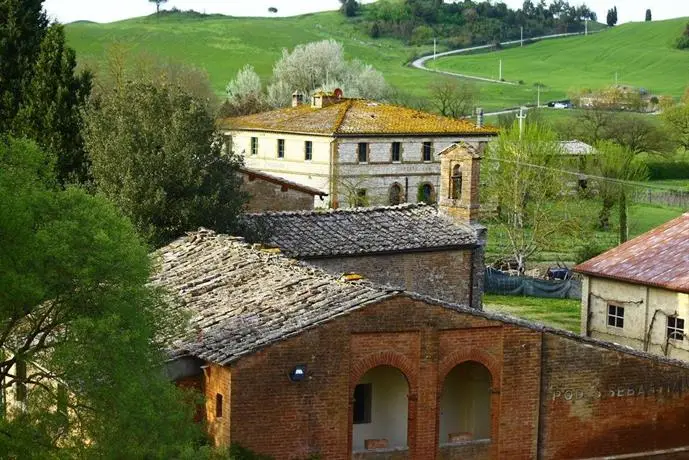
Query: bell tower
[460,170]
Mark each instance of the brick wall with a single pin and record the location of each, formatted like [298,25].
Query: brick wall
[440,274]
[268,196]
[552,396]
[217,381]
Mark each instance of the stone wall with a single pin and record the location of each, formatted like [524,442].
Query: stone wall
[268,196]
[553,395]
[443,275]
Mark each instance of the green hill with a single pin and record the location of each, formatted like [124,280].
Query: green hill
[641,54]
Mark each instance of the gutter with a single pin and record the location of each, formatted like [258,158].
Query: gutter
[383,253]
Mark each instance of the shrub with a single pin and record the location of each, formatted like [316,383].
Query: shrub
[668,169]
[587,251]
[683,40]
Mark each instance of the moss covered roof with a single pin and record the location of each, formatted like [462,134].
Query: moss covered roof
[350,117]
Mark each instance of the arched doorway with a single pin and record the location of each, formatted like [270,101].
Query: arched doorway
[380,410]
[395,194]
[465,412]
[426,193]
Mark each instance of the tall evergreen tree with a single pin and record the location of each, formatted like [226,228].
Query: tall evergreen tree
[23,24]
[649,17]
[50,112]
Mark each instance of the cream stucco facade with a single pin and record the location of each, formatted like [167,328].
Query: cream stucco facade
[650,315]
[335,167]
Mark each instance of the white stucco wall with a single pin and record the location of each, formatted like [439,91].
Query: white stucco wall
[641,303]
[389,408]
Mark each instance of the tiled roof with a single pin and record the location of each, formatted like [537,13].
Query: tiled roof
[242,299]
[657,258]
[356,231]
[282,181]
[349,117]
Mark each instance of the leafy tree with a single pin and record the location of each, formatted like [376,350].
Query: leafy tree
[80,329]
[53,99]
[156,155]
[619,164]
[683,40]
[523,179]
[349,7]
[158,3]
[676,119]
[452,97]
[245,93]
[611,18]
[649,17]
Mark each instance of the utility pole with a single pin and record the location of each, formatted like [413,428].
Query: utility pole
[434,48]
[538,100]
[521,117]
[586,26]
[500,77]
[615,78]
[522,34]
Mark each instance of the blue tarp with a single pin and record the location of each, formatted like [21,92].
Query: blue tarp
[498,282]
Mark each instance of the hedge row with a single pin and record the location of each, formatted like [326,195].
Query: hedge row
[668,169]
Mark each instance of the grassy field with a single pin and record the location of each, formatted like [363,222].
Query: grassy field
[222,45]
[558,313]
[640,53]
[642,218]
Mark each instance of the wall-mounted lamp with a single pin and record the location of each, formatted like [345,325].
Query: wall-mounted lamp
[298,373]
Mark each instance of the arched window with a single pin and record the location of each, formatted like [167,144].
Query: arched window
[465,412]
[395,194]
[380,410]
[456,183]
[426,193]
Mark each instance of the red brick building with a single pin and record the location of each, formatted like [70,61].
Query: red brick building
[272,193]
[295,362]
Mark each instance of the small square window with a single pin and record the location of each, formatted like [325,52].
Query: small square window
[308,150]
[362,403]
[675,328]
[281,148]
[218,405]
[427,151]
[254,145]
[615,316]
[396,152]
[362,152]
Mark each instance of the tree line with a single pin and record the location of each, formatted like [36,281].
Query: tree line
[467,22]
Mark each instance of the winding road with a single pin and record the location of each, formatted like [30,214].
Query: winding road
[420,62]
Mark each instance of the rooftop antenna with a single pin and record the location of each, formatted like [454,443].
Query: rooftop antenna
[521,117]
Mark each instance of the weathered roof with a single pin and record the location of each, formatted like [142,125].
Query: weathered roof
[576,147]
[242,299]
[349,117]
[357,231]
[281,181]
[657,258]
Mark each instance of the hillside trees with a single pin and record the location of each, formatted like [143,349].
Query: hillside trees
[677,120]
[158,3]
[80,330]
[649,17]
[245,93]
[349,7]
[683,40]
[41,94]
[611,18]
[156,155]
[522,178]
[452,97]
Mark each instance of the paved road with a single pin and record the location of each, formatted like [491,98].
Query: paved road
[420,62]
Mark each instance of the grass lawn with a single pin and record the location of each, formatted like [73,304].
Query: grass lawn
[558,313]
[642,218]
[641,54]
[222,45]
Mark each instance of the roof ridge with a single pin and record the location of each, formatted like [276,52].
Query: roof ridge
[360,210]
[338,123]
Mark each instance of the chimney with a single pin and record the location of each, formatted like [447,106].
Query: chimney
[322,99]
[479,117]
[297,99]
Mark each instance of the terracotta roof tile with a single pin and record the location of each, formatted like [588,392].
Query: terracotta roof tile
[656,258]
[356,231]
[355,117]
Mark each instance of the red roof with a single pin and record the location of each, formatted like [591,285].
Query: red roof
[657,258]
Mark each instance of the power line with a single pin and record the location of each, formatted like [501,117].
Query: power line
[585,175]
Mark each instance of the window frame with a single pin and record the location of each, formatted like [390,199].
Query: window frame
[281,148]
[675,325]
[364,411]
[308,150]
[615,316]
[254,146]
[427,147]
[399,152]
[366,153]
[218,405]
